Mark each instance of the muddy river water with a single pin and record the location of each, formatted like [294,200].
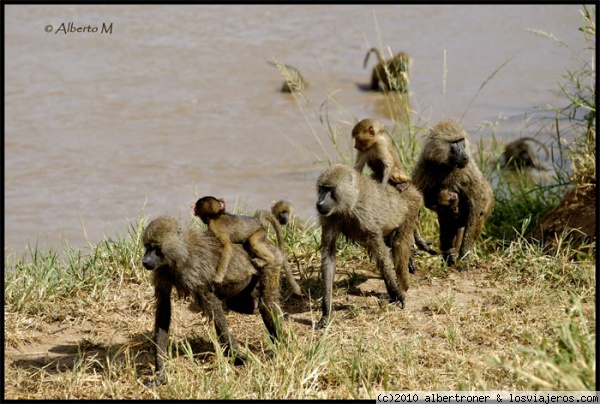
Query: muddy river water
[113,112]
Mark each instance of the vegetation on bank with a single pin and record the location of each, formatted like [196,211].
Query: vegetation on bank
[519,319]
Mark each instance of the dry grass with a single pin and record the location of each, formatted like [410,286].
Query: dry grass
[78,325]
[500,325]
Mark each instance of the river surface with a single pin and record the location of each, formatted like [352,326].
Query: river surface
[113,112]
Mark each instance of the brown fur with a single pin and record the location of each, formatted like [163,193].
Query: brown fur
[185,258]
[445,163]
[380,218]
[241,229]
[294,81]
[374,149]
[519,154]
[447,199]
[283,211]
[392,74]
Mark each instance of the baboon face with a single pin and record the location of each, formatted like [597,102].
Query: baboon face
[457,155]
[326,200]
[283,217]
[448,198]
[153,257]
[337,190]
[162,240]
[364,134]
[283,211]
[447,144]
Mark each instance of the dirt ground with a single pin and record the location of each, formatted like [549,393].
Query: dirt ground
[42,345]
[125,322]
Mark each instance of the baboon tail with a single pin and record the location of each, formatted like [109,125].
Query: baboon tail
[267,218]
[377,52]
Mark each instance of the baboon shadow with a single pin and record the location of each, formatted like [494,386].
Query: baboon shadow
[366,87]
[296,304]
[65,357]
[139,349]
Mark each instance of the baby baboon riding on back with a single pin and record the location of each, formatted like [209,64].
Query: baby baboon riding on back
[239,229]
[184,258]
[374,149]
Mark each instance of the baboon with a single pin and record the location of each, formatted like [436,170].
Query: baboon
[185,258]
[518,154]
[445,163]
[374,149]
[447,199]
[393,73]
[381,219]
[239,229]
[447,203]
[294,80]
[283,211]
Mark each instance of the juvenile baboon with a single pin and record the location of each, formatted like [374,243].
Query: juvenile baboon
[445,163]
[447,203]
[381,219]
[185,258]
[283,211]
[239,229]
[374,149]
[393,73]
[519,154]
[294,80]
[447,200]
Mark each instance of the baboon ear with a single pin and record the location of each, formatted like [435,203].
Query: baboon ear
[371,131]
[403,186]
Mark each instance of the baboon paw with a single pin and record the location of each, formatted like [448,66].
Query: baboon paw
[258,262]
[322,323]
[450,256]
[160,380]
[239,359]
[398,301]
[219,278]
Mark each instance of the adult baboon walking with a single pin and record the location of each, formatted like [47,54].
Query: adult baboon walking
[375,149]
[445,164]
[380,218]
[393,73]
[185,258]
